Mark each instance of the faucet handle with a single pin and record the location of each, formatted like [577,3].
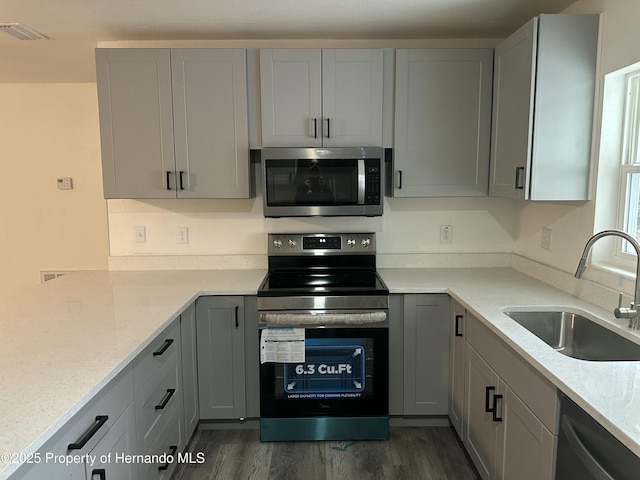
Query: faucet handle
[619,299]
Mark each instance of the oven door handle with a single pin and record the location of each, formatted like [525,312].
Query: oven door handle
[377,318]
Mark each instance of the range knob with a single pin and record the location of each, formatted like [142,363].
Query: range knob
[366,242]
[351,242]
[277,243]
[292,243]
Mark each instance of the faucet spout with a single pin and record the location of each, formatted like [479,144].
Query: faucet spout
[620,312]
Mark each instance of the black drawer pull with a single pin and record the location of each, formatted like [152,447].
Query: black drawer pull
[487,399]
[519,171]
[167,343]
[97,424]
[166,398]
[494,414]
[101,472]
[172,451]
[237,319]
[457,326]
[181,180]
[168,180]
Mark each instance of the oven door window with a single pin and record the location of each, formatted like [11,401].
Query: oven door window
[345,373]
[311,182]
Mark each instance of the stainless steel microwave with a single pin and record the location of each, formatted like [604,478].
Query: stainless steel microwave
[308,182]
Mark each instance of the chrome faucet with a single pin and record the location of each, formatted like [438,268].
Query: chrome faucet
[630,312]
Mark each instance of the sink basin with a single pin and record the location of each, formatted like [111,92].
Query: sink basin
[576,336]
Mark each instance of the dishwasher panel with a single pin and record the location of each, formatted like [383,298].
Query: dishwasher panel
[587,451]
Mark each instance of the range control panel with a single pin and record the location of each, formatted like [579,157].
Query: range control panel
[321,243]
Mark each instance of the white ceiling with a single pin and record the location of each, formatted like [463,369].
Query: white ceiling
[75,26]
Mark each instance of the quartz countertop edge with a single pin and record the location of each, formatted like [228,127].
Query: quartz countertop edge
[102,319]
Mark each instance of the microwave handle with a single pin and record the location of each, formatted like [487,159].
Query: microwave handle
[362,180]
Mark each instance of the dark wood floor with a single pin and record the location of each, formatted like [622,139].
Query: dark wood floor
[410,453]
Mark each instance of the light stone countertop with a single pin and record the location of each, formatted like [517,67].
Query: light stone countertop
[64,340]
[608,391]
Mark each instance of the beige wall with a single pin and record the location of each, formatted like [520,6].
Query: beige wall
[49,131]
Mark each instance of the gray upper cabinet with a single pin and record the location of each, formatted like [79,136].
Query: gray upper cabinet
[442,122]
[314,98]
[544,84]
[173,123]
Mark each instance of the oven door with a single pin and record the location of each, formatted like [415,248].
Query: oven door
[345,373]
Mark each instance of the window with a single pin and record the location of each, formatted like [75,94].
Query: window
[629,205]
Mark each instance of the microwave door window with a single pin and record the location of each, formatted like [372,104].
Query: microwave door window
[312,182]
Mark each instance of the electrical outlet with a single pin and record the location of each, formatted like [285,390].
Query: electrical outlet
[140,234]
[446,233]
[545,240]
[182,235]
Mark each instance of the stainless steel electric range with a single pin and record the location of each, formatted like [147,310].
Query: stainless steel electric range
[324,340]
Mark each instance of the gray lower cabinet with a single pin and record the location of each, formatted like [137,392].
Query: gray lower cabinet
[189,355]
[457,367]
[157,376]
[173,123]
[426,354]
[543,94]
[105,427]
[221,357]
[510,410]
[442,122]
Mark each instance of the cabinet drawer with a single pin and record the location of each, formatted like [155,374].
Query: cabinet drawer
[169,443]
[83,431]
[147,363]
[534,390]
[156,401]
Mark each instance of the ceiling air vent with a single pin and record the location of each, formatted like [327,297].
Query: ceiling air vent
[21,32]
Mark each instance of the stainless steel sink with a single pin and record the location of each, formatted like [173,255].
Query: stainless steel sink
[576,336]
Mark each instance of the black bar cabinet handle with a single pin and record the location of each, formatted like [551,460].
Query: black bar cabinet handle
[315,128]
[399,179]
[97,424]
[458,318]
[181,181]
[101,472]
[165,400]
[167,343]
[168,179]
[487,399]
[328,128]
[172,451]
[237,320]
[519,185]
[494,410]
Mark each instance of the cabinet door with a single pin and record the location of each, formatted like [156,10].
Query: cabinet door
[210,123]
[456,368]
[426,354]
[352,97]
[442,122]
[525,447]
[513,93]
[291,97]
[221,366]
[481,434]
[136,125]
[189,371]
[120,440]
